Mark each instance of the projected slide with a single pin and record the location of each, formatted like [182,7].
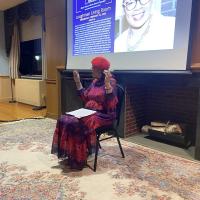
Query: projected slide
[93,26]
[107,26]
[132,34]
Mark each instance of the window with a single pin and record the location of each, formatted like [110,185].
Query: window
[30,57]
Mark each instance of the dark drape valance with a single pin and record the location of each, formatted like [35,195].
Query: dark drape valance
[21,12]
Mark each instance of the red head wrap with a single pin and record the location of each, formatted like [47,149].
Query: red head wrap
[100,63]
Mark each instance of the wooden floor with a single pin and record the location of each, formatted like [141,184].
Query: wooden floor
[16,111]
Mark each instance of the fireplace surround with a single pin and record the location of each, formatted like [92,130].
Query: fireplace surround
[149,96]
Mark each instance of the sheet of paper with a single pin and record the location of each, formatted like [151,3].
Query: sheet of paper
[82,112]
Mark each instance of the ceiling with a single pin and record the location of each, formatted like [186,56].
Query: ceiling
[5,4]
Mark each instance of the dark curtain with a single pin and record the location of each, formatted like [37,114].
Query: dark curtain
[21,12]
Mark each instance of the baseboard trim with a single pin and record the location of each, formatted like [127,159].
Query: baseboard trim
[52,115]
[6,99]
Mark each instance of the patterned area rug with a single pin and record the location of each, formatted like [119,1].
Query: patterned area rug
[29,171]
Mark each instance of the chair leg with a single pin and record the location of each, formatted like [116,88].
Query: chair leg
[119,143]
[96,152]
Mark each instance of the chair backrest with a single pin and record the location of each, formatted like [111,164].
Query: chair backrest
[120,95]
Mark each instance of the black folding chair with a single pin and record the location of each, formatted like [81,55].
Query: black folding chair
[111,130]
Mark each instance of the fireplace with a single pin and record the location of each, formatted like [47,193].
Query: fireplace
[163,97]
[148,97]
[146,103]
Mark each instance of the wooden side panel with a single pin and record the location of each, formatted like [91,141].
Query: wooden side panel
[196,36]
[55,45]
[52,102]
[54,8]
[55,51]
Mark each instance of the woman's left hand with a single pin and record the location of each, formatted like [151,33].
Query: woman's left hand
[107,76]
[107,80]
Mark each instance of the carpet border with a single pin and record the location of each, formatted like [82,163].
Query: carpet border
[161,152]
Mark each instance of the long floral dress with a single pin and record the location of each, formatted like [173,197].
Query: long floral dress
[76,138]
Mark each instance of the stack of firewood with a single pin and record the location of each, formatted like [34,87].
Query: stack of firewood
[164,127]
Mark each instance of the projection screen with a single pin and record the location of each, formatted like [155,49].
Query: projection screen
[132,34]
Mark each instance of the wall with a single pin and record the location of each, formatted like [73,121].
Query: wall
[5,89]
[4,69]
[55,51]
[196,37]
[31,29]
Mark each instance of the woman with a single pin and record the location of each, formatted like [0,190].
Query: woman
[76,138]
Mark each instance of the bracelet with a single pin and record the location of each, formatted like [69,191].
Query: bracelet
[108,91]
[108,88]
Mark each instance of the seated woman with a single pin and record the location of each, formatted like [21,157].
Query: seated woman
[76,138]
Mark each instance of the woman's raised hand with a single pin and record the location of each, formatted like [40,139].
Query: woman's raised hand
[107,76]
[76,76]
[108,86]
[77,79]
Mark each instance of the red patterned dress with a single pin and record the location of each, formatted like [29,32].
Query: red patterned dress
[76,138]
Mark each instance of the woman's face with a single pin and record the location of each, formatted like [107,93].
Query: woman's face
[96,73]
[139,14]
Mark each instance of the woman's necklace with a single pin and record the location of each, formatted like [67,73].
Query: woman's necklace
[131,44]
